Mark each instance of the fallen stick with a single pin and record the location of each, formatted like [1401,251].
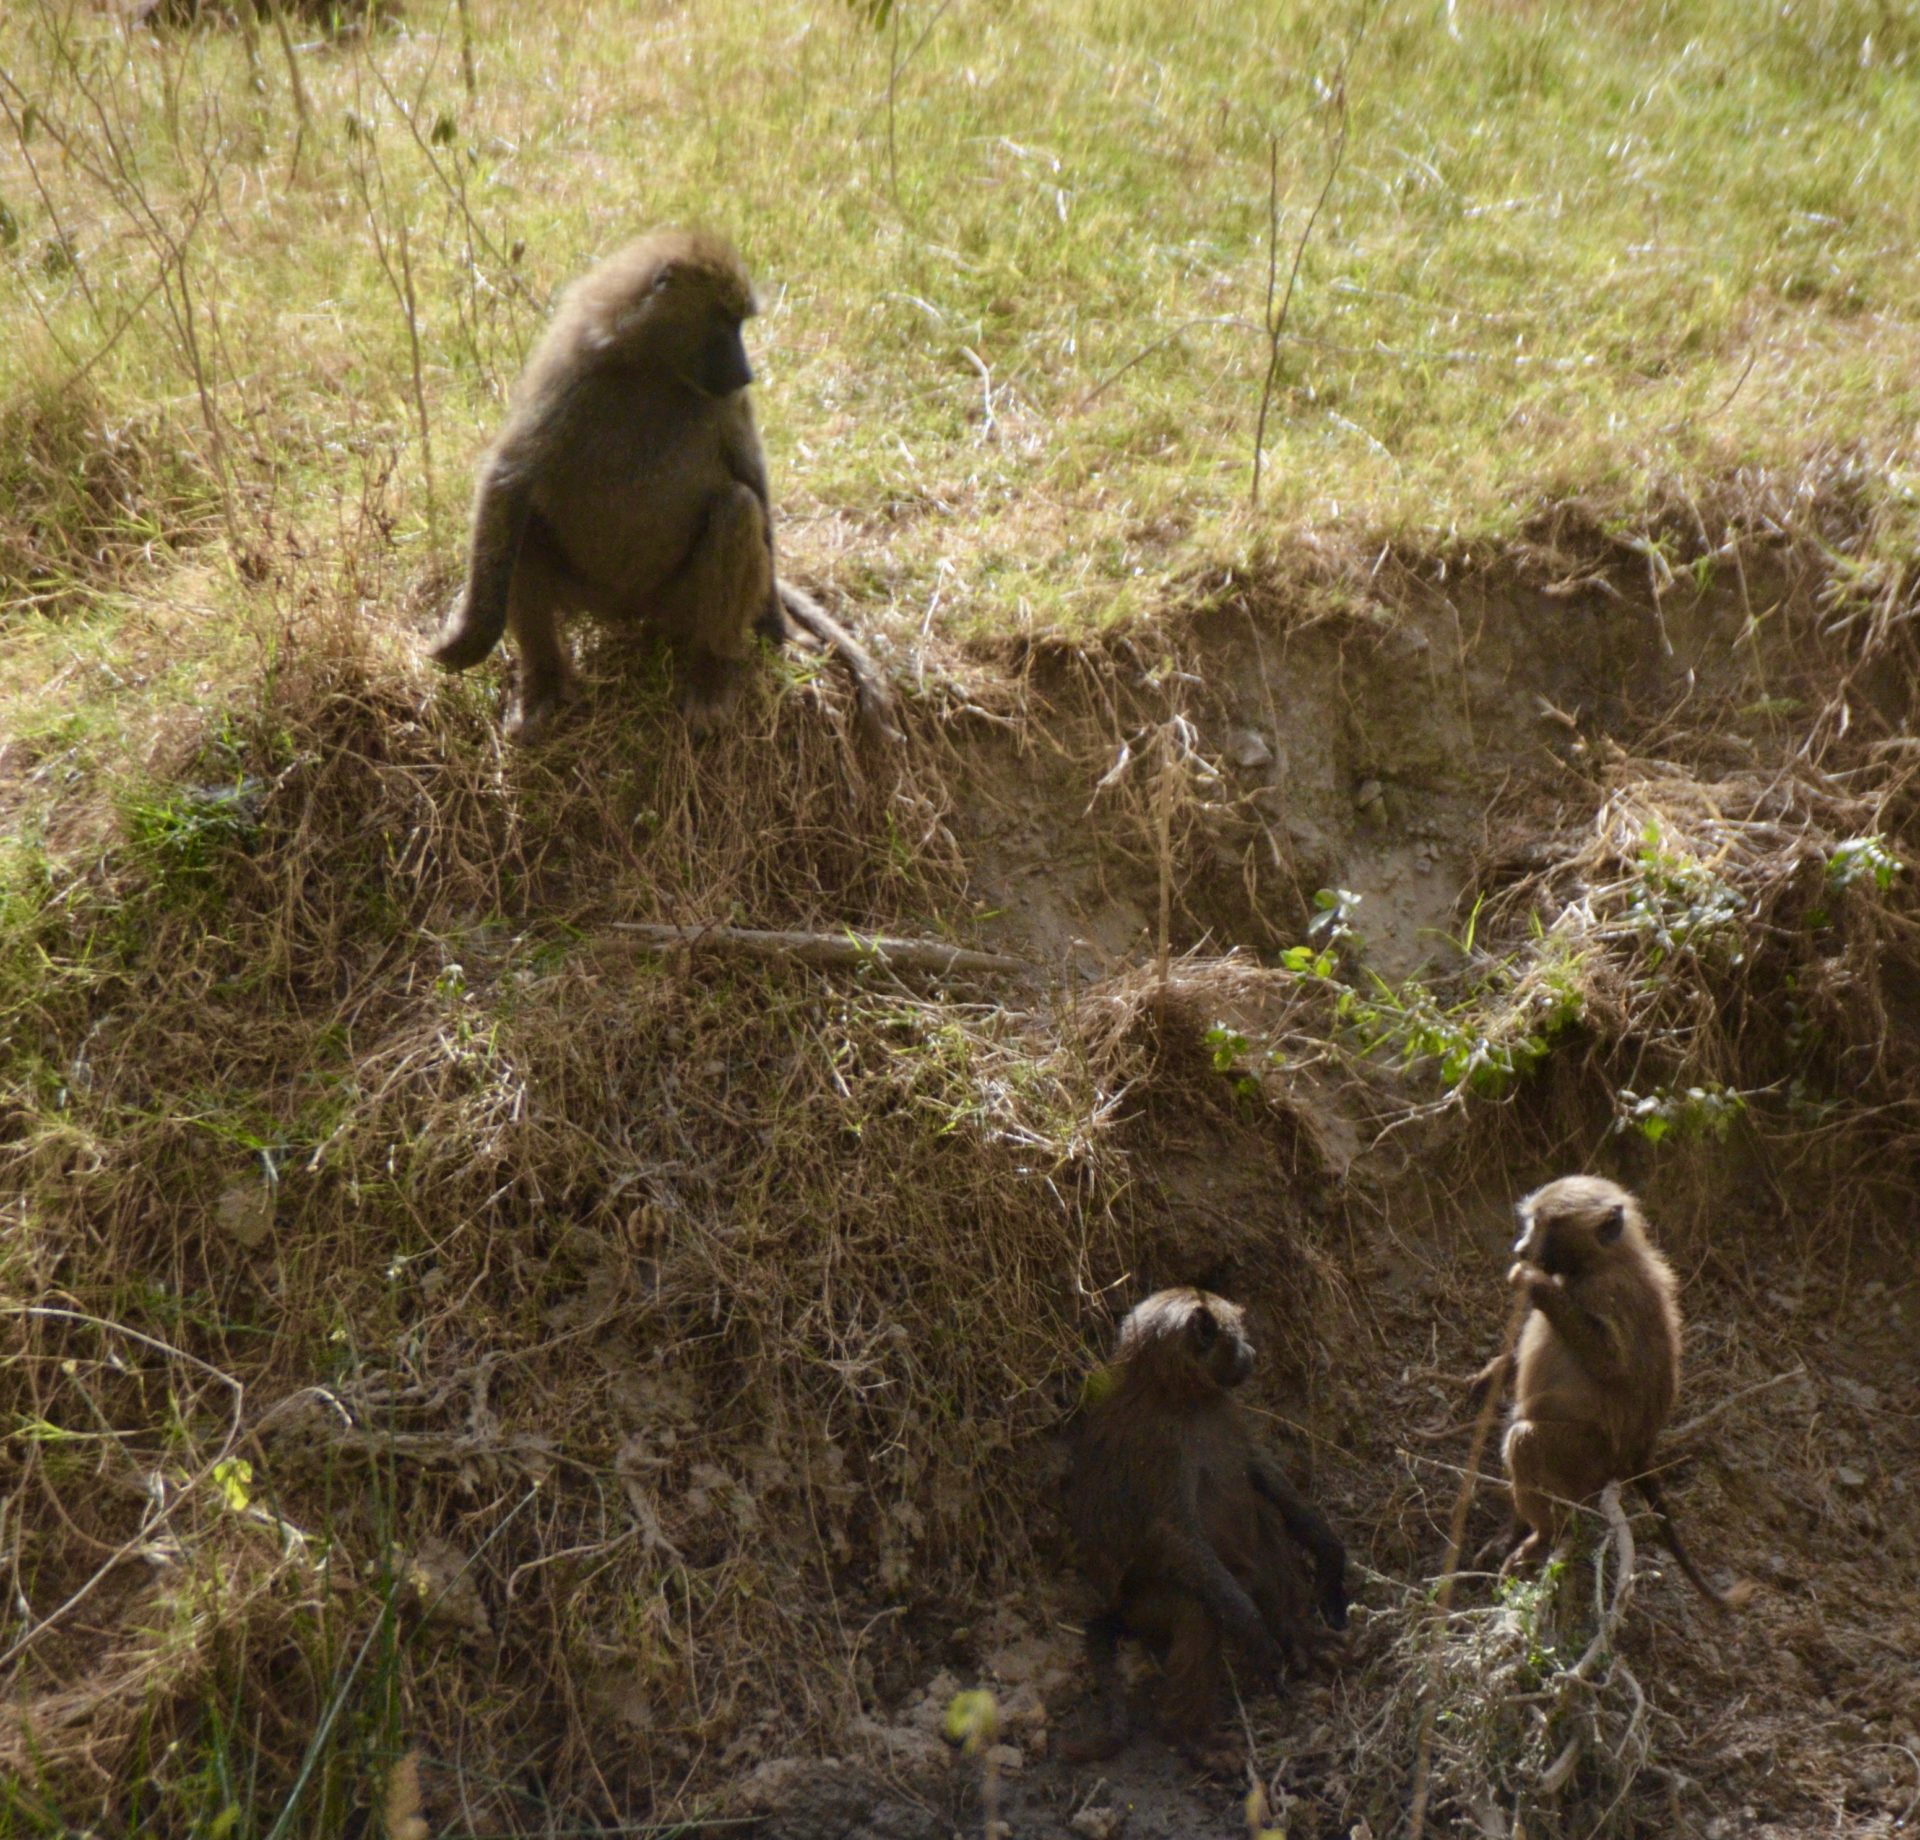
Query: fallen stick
[847,948]
[1682,1432]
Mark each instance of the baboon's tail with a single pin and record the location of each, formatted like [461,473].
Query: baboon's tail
[1734,1597]
[476,621]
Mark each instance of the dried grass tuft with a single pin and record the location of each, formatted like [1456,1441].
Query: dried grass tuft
[614,1325]
[450,1328]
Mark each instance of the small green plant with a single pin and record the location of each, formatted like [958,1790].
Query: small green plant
[973,1723]
[1481,1045]
[1529,1602]
[1493,1036]
[1332,921]
[973,1720]
[1689,1112]
[1860,859]
[1681,906]
[233,1477]
[1328,931]
[1308,961]
[1225,1046]
[190,830]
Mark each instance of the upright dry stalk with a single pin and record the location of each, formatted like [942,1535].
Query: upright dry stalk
[885,15]
[466,49]
[100,140]
[509,284]
[250,37]
[419,382]
[301,106]
[1443,1598]
[893,88]
[1163,825]
[1275,319]
[394,251]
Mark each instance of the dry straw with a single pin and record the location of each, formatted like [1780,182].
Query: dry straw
[606,1333]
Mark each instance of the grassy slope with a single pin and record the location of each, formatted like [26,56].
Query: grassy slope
[1560,238]
[1624,251]
[1579,248]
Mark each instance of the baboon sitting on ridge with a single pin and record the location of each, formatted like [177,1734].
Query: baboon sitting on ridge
[1188,1532]
[629,482]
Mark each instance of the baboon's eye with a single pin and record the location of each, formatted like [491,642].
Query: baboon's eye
[1205,1330]
[663,276]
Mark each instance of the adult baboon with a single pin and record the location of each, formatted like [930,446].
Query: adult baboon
[1598,1364]
[629,483]
[1187,1531]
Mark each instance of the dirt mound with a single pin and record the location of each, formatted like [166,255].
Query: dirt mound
[621,1383]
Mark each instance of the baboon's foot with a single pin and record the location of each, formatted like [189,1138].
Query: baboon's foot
[1319,1650]
[1091,1734]
[1491,1552]
[1530,1551]
[1221,1754]
[711,692]
[537,707]
[461,641]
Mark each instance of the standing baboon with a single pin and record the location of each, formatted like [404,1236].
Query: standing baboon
[628,482]
[1598,1365]
[1186,1530]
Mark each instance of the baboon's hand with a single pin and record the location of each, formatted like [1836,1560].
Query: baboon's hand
[1524,1275]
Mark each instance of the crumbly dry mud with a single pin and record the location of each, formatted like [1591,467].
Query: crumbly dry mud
[1418,756]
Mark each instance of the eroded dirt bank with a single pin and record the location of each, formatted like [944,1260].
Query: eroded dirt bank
[646,1366]
[1551,789]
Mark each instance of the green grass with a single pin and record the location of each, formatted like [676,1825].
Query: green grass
[1571,248]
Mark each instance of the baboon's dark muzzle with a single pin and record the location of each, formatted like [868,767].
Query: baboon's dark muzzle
[723,365]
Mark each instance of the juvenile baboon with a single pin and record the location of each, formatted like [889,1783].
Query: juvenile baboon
[629,483]
[1186,1530]
[1598,1364]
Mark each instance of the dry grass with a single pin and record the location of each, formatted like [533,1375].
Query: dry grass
[439,1182]
[441,1325]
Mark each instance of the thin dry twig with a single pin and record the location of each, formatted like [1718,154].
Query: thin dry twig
[1701,1420]
[1611,1613]
[1276,320]
[827,949]
[165,1509]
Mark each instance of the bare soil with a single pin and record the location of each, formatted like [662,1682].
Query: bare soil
[1418,750]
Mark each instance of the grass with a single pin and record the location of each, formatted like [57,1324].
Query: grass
[529,1369]
[1015,263]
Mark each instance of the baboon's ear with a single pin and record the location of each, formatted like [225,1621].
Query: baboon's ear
[1202,1327]
[1614,1225]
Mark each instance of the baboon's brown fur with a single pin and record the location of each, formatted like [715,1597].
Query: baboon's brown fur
[1187,1531]
[629,482]
[1598,1364]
